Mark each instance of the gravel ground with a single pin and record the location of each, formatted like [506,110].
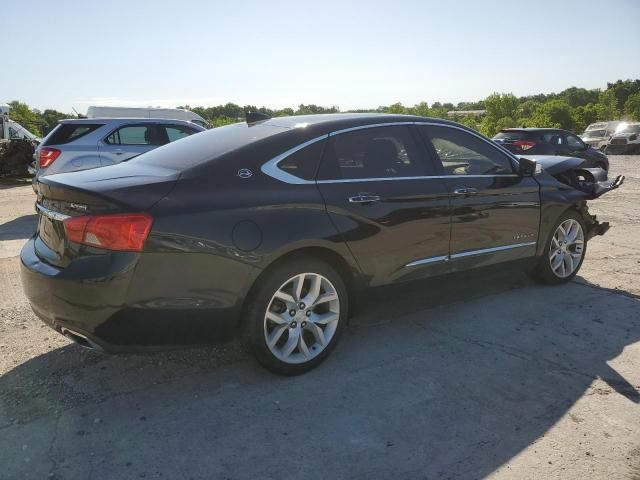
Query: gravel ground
[458,377]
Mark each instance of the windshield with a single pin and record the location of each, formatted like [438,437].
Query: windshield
[631,129]
[595,133]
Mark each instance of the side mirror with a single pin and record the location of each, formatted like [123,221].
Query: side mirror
[526,167]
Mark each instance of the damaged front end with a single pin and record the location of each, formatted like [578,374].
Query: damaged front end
[592,225]
[593,182]
[577,184]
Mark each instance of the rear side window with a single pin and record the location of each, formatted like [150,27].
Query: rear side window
[133,135]
[176,132]
[304,163]
[206,146]
[375,152]
[462,153]
[510,136]
[552,138]
[67,133]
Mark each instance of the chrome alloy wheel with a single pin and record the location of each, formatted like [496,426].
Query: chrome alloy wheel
[301,318]
[567,248]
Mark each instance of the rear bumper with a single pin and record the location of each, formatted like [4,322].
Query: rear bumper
[119,304]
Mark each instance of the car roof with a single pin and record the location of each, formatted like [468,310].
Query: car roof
[112,120]
[533,129]
[329,122]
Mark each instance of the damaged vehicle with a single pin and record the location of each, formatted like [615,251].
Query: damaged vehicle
[626,140]
[269,228]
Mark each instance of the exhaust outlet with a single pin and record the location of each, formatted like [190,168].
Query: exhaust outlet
[80,339]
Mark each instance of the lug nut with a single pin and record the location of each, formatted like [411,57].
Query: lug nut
[292,312]
[302,305]
[294,324]
[308,314]
[303,324]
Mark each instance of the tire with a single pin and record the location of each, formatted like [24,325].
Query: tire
[544,271]
[308,333]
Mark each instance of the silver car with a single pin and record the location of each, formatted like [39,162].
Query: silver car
[81,144]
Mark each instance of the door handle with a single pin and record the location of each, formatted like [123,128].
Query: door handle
[465,191]
[364,198]
[118,152]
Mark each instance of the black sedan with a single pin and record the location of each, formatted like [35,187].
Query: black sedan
[550,141]
[268,228]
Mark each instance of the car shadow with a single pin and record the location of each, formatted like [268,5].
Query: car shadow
[19,228]
[444,378]
[6,183]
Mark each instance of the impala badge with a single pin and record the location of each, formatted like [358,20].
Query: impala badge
[245,173]
[78,206]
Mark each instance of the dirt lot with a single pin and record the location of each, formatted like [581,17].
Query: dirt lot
[481,375]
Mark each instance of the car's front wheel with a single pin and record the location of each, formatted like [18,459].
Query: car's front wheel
[296,315]
[564,250]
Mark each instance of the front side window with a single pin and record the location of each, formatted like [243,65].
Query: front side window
[462,153]
[133,135]
[574,143]
[374,152]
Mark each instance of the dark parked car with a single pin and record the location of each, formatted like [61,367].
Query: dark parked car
[269,227]
[550,141]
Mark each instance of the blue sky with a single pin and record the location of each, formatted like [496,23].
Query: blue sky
[64,54]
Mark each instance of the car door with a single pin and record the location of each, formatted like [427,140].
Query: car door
[495,213]
[129,141]
[387,206]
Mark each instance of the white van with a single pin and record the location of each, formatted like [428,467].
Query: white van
[149,112]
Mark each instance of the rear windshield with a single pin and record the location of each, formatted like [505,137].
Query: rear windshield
[197,149]
[67,133]
[510,136]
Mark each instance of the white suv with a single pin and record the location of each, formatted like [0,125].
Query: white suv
[625,140]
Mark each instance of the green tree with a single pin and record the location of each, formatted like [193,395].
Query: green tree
[622,90]
[22,114]
[553,114]
[396,108]
[50,119]
[632,106]
[577,97]
[527,110]
[607,106]
[421,109]
[584,116]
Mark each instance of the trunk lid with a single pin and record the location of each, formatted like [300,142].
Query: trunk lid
[119,188]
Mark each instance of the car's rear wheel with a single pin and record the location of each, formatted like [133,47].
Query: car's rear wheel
[296,315]
[564,250]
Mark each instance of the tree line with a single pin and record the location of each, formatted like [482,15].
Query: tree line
[572,109]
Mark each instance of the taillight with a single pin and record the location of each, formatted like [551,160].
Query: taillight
[47,156]
[123,231]
[524,144]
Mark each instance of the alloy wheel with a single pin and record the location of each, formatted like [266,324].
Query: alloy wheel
[301,318]
[567,248]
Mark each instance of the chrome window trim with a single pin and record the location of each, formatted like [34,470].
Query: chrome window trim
[426,177]
[53,215]
[483,251]
[271,167]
